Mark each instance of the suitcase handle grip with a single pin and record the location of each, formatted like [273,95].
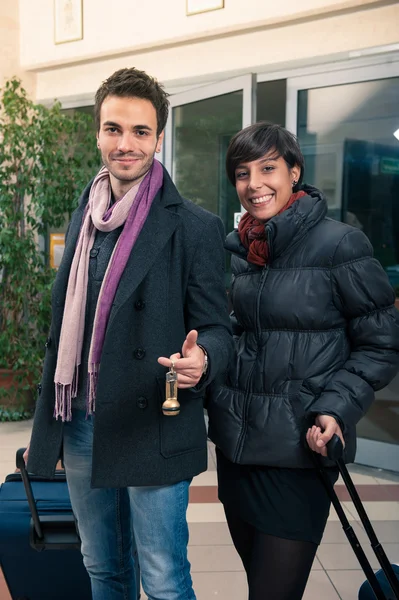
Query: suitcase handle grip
[20,459]
[29,492]
[335,448]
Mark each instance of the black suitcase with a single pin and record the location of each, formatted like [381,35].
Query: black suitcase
[383,585]
[39,544]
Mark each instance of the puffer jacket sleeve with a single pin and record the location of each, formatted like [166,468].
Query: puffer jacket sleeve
[362,293]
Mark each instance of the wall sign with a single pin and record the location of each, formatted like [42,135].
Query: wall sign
[194,7]
[237,219]
[68,21]
[389,165]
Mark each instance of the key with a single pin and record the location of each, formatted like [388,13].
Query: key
[171,406]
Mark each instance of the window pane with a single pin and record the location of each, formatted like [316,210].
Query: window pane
[271,99]
[346,134]
[201,134]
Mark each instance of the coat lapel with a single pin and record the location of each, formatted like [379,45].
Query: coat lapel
[157,230]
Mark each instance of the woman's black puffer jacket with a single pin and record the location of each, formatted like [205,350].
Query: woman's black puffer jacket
[316,331]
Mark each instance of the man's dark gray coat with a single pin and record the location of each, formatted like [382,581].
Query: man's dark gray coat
[173,283]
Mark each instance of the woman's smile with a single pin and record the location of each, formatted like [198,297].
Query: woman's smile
[261,200]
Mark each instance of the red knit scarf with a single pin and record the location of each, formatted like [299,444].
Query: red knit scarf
[253,235]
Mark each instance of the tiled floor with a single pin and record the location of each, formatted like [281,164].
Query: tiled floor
[216,569]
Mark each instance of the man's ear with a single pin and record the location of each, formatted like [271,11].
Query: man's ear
[160,141]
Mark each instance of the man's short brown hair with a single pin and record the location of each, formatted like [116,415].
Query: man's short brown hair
[132,83]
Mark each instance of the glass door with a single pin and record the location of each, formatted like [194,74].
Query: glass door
[347,124]
[200,126]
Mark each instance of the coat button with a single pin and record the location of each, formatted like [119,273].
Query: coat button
[48,342]
[142,402]
[139,353]
[93,252]
[139,304]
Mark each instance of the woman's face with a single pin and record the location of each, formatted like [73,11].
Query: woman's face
[264,186]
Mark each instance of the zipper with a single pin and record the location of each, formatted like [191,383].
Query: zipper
[265,273]
[258,330]
[59,477]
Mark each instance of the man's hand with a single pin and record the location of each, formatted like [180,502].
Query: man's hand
[26,454]
[189,368]
[322,432]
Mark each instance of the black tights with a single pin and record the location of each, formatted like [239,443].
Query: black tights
[277,568]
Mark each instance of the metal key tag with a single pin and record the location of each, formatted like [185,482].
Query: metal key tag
[171,406]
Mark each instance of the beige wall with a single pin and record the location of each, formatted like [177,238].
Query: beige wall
[9,55]
[127,26]
[262,49]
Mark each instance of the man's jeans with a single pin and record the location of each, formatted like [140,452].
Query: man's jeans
[105,517]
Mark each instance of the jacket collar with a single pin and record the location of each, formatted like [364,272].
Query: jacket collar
[288,228]
[160,225]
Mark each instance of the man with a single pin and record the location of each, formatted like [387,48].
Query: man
[141,281]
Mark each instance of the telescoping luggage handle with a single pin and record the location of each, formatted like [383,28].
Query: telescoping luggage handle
[55,531]
[335,451]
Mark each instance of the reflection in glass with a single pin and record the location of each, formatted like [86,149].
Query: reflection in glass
[271,98]
[201,134]
[346,133]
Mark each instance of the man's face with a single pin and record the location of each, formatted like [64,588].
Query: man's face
[127,140]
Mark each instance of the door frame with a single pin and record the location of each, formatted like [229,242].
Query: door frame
[329,78]
[244,83]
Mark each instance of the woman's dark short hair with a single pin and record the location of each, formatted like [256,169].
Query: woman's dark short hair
[260,139]
[132,83]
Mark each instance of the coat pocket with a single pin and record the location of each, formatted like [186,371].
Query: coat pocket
[185,432]
[272,433]
[225,411]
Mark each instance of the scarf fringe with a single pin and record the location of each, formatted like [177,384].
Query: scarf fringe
[92,389]
[63,397]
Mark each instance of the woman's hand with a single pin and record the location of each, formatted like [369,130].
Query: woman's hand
[322,432]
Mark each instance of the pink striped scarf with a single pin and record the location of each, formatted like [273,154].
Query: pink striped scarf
[131,211]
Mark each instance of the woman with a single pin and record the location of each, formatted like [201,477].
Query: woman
[316,335]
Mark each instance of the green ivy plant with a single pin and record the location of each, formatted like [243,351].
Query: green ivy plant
[46,158]
[12,414]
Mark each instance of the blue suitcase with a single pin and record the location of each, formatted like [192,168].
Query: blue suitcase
[39,544]
[366,591]
[384,584]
